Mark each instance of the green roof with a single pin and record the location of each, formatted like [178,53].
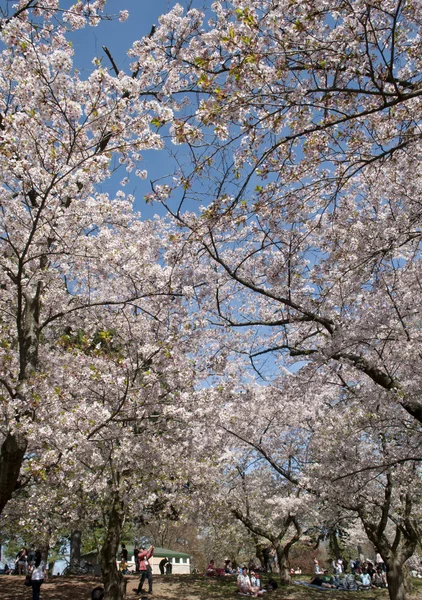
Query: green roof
[170,553]
[160,552]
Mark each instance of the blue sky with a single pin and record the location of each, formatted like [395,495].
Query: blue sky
[119,37]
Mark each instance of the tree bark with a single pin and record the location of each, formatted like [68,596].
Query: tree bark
[11,457]
[75,548]
[395,578]
[258,550]
[14,446]
[335,545]
[283,565]
[113,580]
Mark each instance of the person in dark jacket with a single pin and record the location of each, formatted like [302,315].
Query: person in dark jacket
[163,564]
[97,593]
[135,558]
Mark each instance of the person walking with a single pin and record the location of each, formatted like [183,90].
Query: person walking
[20,562]
[145,569]
[37,575]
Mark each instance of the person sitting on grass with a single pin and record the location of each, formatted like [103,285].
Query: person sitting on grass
[365,581]
[228,568]
[323,580]
[255,579]
[379,579]
[245,586]
[211,569]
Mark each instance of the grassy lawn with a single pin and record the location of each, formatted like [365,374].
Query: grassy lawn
[207,588]
[183,587]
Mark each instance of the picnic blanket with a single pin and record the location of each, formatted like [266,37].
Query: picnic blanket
[321,589]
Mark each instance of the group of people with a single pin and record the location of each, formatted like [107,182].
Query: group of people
[231,569]
[364,574]
[23,563]
[249,583]
[228,569]
[248,577]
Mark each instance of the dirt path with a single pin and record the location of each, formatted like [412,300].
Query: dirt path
[79,588]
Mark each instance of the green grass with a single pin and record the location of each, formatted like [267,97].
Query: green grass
[220,588]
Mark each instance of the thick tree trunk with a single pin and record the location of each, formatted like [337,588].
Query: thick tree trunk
[335,545]
[50,569]
[258,550]
[113,580]
[44,548]
[75,548]
[395,578]
[283,565]
[14,446]
[12,453]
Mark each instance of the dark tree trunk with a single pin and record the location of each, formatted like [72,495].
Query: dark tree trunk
[75,548]
[44,548]
[14,446]
[258,550]
[395,578]
[283,565]
[113,580]
[394,554]
[335,545]
[282,551]
[12,453]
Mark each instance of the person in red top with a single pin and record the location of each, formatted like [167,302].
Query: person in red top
[145,569]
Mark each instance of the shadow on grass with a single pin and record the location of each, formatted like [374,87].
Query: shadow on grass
[189,587]
[180,587]
[56,588]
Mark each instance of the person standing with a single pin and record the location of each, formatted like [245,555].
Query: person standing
[380,562]
[123,553]
[30,557]
[123,559]
[37,575]
[267,560]
[145,568]
[273,558]
[162,565]
[20,561]
[135,558]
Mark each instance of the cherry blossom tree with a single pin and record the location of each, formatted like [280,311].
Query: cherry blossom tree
[67,250]
[347,452]
[369,450]
[270,513]
[304,149]
[299,200]
[117,442]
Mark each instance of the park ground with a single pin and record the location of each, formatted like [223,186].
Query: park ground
[185,587]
